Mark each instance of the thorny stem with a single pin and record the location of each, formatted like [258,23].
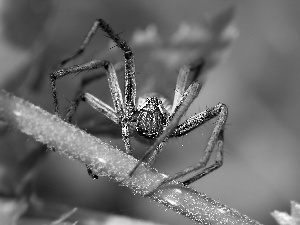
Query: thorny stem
[104,159]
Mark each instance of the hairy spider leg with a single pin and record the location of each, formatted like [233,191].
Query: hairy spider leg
[95,64]
[98,105]
[130,84]
[182,78]
[188,97]
[180,86]
[151,159]
[108,112]
[216,141]
[179,92]
[218,161]
[79,93]
[182,106]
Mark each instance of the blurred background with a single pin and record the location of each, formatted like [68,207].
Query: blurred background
[258,80]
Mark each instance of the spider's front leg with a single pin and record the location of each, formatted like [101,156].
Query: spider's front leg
[92,65]
[130,84]
[86,80]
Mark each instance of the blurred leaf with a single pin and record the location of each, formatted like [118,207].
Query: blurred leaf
[190,44]
[11,210]
[41,212]
[283,218]
[25,24]
[23,20]
[65,216]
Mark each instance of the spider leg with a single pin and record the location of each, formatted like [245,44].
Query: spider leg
[84,82]
[215,142]
[114,115]
[158,149]
[180,85]
[188,97]
[96,104]
[126,138]
[218,161]
[83,46]
[130,84]
[112,80]
[179,92]
[79,95]
[182,78]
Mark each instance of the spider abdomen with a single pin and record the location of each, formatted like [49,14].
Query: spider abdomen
[151,119]
[149,124]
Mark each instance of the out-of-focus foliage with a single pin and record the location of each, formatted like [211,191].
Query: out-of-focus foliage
[283,218]
[11,210]
[27,17]
[189,44]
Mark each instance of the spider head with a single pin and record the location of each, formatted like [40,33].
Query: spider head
[151,117]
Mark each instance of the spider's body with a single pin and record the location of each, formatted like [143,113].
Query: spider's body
[154,118]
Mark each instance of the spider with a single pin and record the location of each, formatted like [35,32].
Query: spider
[153,118]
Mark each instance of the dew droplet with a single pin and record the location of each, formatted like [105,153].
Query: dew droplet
[178,191]
[165,175]
[172,202]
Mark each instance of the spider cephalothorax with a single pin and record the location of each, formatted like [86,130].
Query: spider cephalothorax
[154,118]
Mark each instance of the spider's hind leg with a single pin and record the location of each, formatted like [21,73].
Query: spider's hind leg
[216,141]
[84,44]
[218,161]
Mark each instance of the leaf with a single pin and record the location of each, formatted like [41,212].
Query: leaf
[11,210]
[42,213]
[283,218]
[192,43]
